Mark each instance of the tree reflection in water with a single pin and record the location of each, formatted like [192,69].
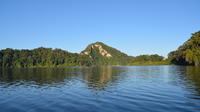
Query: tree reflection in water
[97,78]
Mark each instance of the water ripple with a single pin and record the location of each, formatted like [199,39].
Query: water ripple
[101,89]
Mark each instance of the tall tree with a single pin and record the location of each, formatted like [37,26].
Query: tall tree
[188,53]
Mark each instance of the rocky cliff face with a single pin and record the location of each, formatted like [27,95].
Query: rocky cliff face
[101,50]
[102,54]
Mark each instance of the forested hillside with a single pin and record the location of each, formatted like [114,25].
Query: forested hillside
[41,57]
[98,54]
[188,53]
[101,54]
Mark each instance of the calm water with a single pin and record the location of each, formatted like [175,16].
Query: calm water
[101,89]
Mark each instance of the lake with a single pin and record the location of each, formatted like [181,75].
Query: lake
[101,89]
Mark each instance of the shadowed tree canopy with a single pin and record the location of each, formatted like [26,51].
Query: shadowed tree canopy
[188,53]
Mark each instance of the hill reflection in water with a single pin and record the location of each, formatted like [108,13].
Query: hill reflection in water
[101,89]
[97,78]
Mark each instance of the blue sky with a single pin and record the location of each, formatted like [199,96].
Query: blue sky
[132,26]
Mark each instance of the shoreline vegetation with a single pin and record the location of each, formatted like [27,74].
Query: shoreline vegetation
[98,54]
[150,63]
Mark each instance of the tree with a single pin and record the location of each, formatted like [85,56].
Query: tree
[188,53]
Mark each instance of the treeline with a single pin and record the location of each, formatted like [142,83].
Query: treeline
[41,57]
[154,59]
[188,53]
[47,57]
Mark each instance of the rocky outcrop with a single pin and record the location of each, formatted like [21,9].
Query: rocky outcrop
[102,51]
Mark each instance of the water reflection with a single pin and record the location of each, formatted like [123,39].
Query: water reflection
[97,78]
[40,76]
[186,77]
[77,89]
[192,75]
[100,78]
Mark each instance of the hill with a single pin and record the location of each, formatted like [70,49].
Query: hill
[95,54]
[188,53]
[102,54]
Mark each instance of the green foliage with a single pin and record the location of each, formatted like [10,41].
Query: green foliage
[149,60]
[47,57]
[165,62]
[152,58]
[40,57]
[98,54]
[188,53]
[118,58]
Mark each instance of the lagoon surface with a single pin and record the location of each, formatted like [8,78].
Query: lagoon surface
[101,89]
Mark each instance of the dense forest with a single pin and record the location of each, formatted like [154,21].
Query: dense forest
[154,59]
[98,54]
[95,54]
[41,57]
[188,53]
